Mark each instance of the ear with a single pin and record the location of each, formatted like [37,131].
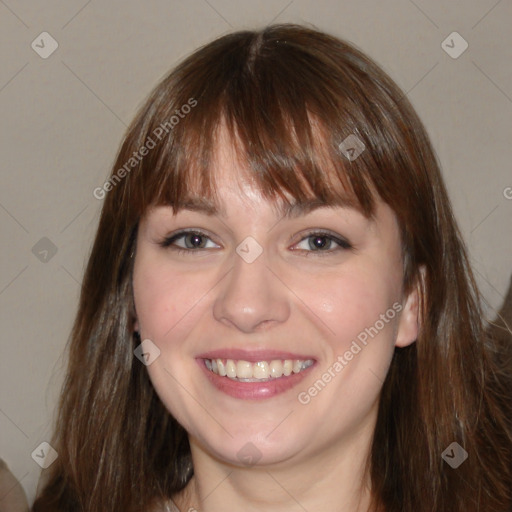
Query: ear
[409,323]
[136,326]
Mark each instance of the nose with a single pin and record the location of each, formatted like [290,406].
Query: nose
[252,298]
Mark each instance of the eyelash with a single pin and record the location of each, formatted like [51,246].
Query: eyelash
[342,244]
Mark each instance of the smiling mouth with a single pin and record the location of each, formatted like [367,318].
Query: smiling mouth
[261,371]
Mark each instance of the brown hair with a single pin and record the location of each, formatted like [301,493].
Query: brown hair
[289,95]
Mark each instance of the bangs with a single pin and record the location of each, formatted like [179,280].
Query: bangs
[291,165]
[280,110]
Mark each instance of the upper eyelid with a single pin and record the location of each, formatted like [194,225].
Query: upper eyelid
[182,233]
[340,240]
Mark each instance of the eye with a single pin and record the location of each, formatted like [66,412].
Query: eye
[192,241]
[189,241]
[322,242]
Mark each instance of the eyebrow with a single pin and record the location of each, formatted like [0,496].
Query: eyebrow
[293,210]
[304,207]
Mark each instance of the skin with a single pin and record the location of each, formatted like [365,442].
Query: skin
[290,298]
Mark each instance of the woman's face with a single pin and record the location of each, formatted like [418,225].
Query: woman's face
[308,306]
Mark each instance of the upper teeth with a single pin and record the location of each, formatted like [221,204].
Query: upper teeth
[262,370]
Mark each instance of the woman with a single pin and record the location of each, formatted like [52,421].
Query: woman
[278,312]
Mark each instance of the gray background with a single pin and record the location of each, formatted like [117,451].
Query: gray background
[63,118]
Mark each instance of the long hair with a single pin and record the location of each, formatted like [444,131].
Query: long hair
[290,97]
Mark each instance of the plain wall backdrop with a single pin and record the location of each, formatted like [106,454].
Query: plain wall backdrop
[63,115]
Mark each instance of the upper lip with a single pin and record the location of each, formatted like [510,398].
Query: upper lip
[252,356]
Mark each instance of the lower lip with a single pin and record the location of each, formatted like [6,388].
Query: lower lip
[253,390]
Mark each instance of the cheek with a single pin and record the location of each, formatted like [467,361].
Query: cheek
[171,303]
[351,302]
[151,297]
[167,305]
[161,298]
